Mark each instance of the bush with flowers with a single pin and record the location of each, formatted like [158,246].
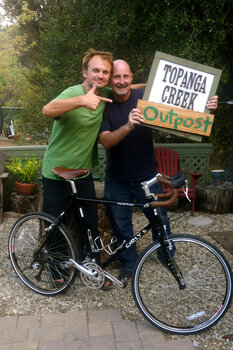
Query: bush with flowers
[26,169]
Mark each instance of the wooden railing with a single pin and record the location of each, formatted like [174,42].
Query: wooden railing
[194,156]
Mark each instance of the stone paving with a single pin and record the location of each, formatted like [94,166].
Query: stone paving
[70,321]
[91,330]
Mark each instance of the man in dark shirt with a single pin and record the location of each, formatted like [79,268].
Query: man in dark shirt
[130,158]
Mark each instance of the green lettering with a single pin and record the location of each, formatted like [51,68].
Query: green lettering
[207,123]
[163,119]
[188,122]
[154,110]
[177,121]
[199,123]
[170,115]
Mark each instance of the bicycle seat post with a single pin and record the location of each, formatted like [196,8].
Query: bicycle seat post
[72,183]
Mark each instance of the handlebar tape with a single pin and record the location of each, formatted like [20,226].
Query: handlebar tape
[172,195]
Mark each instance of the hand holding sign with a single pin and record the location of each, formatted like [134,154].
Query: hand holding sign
[135,118]
[212,104]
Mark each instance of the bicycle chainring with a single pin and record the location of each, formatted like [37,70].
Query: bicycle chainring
[95,282]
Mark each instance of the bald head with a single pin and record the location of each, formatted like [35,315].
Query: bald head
[120,64]
[121,80]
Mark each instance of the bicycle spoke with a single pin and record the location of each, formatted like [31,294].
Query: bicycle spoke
[40,268]
[208,286]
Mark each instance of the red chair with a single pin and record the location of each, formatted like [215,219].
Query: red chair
[168,163]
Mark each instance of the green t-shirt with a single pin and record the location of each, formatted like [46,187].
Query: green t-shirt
[73,141]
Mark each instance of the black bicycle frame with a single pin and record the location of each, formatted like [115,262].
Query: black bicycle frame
[77,201]
[128,243]
[155,221]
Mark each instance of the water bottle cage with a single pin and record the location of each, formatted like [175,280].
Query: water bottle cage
[97,247]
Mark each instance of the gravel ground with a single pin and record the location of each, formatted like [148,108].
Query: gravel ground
[17,299]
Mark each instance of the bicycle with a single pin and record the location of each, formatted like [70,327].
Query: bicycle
[182,294]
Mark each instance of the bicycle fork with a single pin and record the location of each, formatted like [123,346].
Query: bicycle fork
[166,246]
[169,261]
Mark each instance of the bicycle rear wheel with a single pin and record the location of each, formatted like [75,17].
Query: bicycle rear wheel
[201,304]
[46,273]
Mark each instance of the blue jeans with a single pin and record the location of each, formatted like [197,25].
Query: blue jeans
[121,217]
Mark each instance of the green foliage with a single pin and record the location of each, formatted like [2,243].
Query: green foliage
[30,121]
[26,169]
[12,73]
[55,34]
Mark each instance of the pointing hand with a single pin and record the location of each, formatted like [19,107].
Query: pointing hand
[92,101]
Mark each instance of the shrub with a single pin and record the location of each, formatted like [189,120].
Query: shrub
[26,169]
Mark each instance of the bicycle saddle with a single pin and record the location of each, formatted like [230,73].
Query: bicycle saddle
[69,174]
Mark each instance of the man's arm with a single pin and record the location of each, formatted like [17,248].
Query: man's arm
[58,107]
[138,86]
[111,138]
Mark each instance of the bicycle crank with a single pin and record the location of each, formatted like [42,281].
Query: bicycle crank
[96,278]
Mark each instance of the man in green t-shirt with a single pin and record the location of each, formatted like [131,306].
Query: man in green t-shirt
[77,114]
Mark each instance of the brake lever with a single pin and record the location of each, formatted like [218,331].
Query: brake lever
[185,189]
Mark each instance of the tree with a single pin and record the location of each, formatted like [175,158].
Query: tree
[16,86]
[62,31]
[12,72]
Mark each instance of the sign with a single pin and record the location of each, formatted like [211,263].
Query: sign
[182,84]
[176,118]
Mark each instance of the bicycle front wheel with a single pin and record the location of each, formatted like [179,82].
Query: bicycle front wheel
[207,294]
[46,271]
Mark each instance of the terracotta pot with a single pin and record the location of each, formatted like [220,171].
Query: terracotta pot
[24,188]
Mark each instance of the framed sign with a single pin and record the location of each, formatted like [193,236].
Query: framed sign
[181,84]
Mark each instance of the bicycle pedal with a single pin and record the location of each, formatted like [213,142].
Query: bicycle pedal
[124,284]
[124,277]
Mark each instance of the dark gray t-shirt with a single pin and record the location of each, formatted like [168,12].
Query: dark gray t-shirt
[133,159]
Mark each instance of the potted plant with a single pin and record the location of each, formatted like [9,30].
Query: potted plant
[26,170]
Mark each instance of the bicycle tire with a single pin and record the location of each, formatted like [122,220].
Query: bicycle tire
[201,304]
[38,273]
